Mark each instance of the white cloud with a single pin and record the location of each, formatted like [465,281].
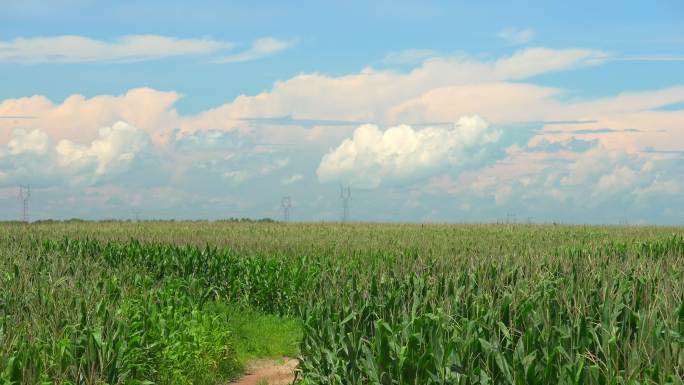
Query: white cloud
[224,145]
[237,176]
[208,141]
[656,58]
[503,193]
[658,188]
[276,165]
[589,184]
[408,56]
[132,48]
[620,179]
[78,49]
[532,61]
[370,95]
[516,35]
[249,166]
[588,167]
[78,118]
[382,96]
[260,48]
[31,156]
[292,179]
[499,102]
[373,157]
[112,153]
[22,142]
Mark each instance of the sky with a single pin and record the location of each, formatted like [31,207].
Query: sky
[429,111]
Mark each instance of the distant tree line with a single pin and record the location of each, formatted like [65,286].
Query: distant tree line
[79,220]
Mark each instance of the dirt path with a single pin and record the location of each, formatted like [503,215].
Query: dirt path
[274,372]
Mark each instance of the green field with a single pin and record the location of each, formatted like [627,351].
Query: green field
[192,302]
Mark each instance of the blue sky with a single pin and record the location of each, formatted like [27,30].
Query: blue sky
[431,111]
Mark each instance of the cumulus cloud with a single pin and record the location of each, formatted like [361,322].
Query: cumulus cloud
[597,177]
[78,118]
[371,95]
[499,102]
[597,185]
[372,157]
[636,135]
[112,153]
[629,122]
[260,48]
[22,142]
[382,96]
[32,156]
[79,49]
[516,35]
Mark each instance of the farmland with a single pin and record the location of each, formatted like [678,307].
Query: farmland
[192,302]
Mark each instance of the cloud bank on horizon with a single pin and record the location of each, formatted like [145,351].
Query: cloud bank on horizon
[452,137]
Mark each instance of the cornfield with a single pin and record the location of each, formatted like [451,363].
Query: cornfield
[126,303]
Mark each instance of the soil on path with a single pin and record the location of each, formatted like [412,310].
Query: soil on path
[274,372]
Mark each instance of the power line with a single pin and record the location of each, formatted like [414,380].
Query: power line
[345,196]
[24,197]
[286,204]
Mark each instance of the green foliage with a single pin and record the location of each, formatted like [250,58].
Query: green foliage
[378,304]
[73,313]
[259,335]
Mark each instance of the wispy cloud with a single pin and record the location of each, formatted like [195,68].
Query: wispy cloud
[516,35]
[288,120]
[132,48]
[292,179]
[262,47]
[408,56]
[649,58]
[80,49]
[590,131]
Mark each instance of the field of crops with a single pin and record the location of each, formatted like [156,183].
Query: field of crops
[172,303]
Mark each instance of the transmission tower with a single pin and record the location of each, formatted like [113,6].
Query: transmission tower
[511,218]
[286,204]
[24,196]
[345,195]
